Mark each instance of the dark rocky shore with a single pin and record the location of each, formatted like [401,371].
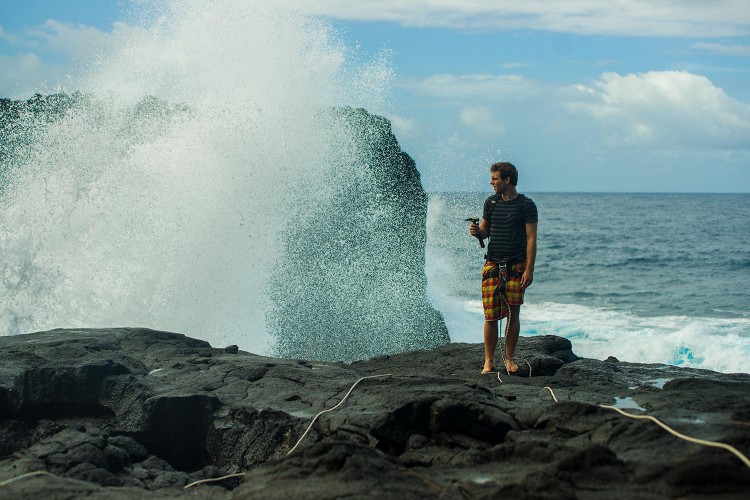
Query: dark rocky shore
[135,413]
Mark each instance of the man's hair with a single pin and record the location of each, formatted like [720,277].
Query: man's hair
[506,169]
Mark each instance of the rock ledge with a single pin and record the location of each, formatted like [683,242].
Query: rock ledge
[137,413]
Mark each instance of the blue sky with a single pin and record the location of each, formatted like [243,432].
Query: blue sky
[583,95]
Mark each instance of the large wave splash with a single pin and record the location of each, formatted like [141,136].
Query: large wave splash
[164,195]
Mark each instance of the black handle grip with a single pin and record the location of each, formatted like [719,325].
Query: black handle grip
[474,220]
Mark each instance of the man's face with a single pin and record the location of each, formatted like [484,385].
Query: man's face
[497,183]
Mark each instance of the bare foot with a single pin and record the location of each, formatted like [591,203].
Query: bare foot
[510,366]
[488,368]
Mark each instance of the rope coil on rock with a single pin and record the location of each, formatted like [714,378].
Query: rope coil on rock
[713,444]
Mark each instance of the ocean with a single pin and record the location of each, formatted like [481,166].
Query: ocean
[161,200]
[650,278]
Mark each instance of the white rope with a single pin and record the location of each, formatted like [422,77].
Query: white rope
[216,479]
[45,473]
[507,324]
[553,394]
[675,433]
[212,480]
[24,476]
[703,442]
[303,435]
[505,335]
[334,408]
[507,328]
[689,439]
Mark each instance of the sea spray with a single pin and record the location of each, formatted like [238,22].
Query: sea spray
[353,282]
[167,193]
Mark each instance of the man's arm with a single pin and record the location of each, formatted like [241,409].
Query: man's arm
[528,273]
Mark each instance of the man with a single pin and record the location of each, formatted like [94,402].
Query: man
[509,220]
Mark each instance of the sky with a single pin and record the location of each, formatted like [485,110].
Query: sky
[581,95]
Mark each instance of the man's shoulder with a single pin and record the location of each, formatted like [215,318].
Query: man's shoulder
[491,200]
[526,200]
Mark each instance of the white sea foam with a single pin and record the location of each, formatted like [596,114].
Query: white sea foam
[171,221]
[462,318]
[711,343]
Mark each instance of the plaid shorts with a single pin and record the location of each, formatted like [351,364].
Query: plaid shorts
[494,308]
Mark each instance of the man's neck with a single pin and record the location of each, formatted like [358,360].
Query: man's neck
[510,194]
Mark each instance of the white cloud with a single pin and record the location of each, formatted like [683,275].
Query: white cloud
[38,70]
[663,109]
[24,63]
[25,74]
[628,18]
[401,125]
[481,121]
[722,49]
[75,40]
[8,37]
[477,86]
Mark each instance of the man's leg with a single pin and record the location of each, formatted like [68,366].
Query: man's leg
[511,339]
[490,344]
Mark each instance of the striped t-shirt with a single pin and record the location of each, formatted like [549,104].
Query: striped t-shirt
[508,221]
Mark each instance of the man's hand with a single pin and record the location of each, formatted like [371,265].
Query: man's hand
[527,278]
[474,230]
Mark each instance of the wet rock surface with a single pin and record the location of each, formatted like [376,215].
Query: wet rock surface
[136,413]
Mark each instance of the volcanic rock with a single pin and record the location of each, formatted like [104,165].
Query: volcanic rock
[137,413]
